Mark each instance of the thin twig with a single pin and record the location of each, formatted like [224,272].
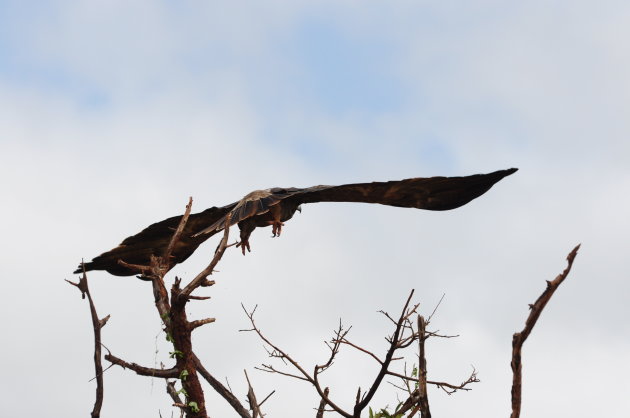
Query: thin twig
[442,385]
[435,309]
[369,353]
[281,354]
[267,397]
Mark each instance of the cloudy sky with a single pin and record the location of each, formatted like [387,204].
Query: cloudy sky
[113,113]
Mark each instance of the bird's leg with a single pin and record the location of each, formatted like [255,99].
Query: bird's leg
[244,244]
[246,227]
[276,223]
[276,228]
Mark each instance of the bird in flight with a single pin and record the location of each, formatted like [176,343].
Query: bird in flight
[273,207]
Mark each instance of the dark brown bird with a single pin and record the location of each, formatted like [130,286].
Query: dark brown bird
[275,206]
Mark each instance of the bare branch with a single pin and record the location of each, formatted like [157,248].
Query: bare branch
[177,401]
[222,390]
[202,277]
[394,340]
[251,398]
[340,335]
[191,297]
[143,270]
[97,324]
[436,308]
[281,354]
[178,232]
[266,397]
[447,387]
[519,338]
[369,353]
[172,392]
[200,322]
[422,370]
[143,371]
[322,405]
[268,368]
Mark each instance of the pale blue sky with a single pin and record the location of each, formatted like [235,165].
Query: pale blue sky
[112,113]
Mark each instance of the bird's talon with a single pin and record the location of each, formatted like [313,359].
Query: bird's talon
[244,245]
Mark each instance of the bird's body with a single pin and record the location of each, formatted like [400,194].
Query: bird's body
[275,206]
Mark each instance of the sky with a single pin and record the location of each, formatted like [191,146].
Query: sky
[113,113]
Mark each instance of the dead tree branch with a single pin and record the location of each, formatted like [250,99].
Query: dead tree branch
[519,338]
[144,371]
[422,370]
[172,311]
[201,278]
[254,406]
[178,232]
[405,333]
[97,324]
[177,401]
[322,405]
[222,390]
[446,387]
[394,341]
[279,353]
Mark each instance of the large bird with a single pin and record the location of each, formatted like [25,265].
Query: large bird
[275,206]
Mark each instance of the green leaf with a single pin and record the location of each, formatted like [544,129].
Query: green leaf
[169,338]
[371,412]
[193,406]
[177,353]
[183,392]
[183,375]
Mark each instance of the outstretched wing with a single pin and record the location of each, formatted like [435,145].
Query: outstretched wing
[154,239]
[431,193]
